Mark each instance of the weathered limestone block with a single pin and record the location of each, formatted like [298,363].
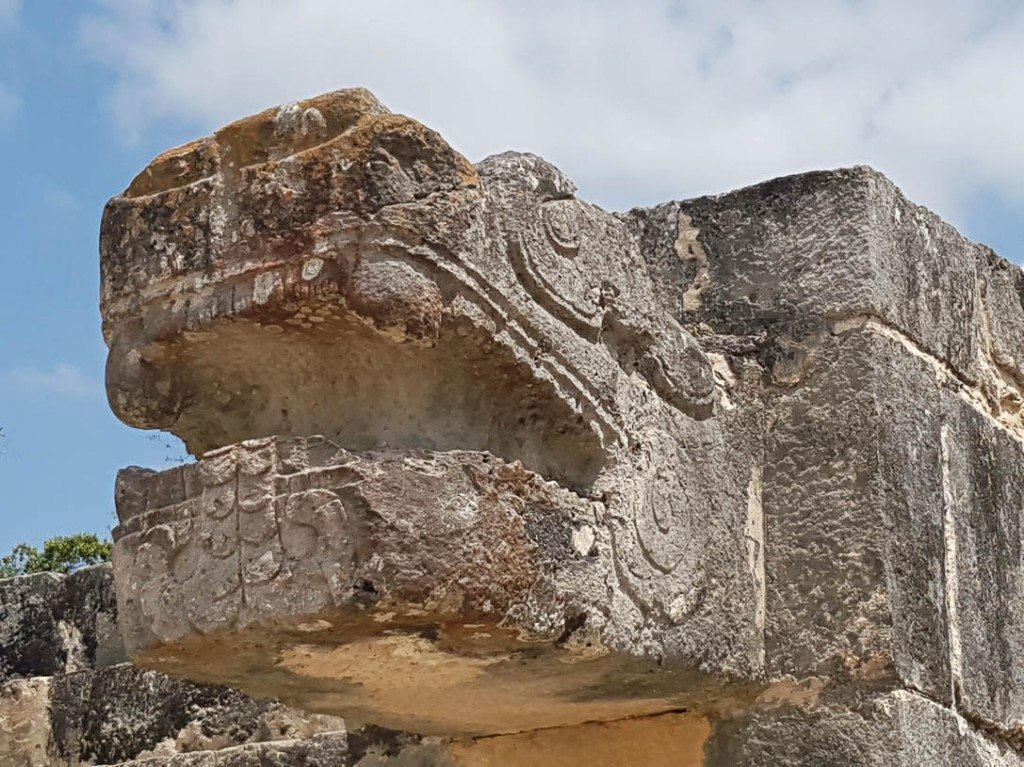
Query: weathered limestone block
[319,752]
[863,330]
[842,246]
[298,526]
[667,740]
[754,456]
[895,729]
[51,623]
[25,722]
[983,479]
[852,501]
[122,712]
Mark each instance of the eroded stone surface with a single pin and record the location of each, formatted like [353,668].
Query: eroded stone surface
[758,449]
[776,259]
[321,751]
[983,473]
[123,713]
[896,729]
[479,310]
[25,722]
[327,750]
[273,528]
[52,623]
[439,592]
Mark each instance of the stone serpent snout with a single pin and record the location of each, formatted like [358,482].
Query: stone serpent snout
[332,269]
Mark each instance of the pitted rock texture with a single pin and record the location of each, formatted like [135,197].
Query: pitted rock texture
[320,752]
[466,437]
[123,713]
[843,248]
[52,623]
[300,526]
[25,731]
[886,350]
[117,714]
[895,729]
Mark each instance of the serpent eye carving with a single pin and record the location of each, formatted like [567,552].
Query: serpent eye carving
[562,226]
[587,272]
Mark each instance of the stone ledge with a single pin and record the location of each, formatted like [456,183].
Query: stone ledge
[290,528]
[434,592]
[894,729]
[827,245]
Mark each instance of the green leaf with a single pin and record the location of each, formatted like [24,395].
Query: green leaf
[62,554]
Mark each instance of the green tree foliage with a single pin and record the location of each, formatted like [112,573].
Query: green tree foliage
[63,554]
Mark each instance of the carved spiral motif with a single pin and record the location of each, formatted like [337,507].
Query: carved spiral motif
[560,224]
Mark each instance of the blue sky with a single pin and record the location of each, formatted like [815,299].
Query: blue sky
[638,102]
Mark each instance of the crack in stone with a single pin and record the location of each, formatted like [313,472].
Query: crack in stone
[968,392]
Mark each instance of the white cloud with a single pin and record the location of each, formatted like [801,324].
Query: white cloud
[638,102]
[62,378]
